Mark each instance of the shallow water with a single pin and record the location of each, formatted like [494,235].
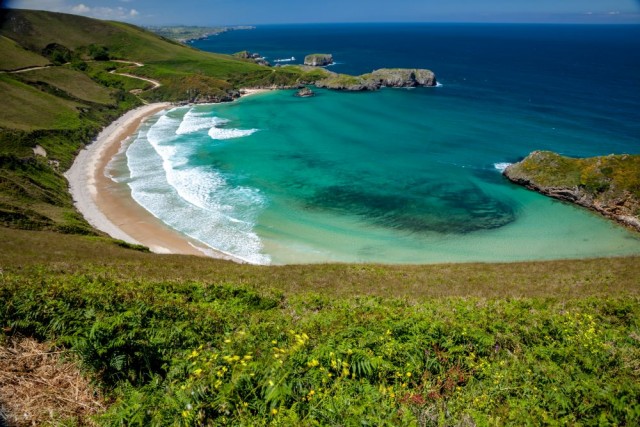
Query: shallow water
[397,176]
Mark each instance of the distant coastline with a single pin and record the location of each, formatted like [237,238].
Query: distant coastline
[189,34]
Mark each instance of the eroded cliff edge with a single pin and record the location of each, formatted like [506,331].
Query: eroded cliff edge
[609,185]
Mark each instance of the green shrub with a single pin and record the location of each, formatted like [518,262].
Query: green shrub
[200,354]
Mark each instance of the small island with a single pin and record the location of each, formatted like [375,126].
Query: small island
[384,77]
[318,59]
[609,185]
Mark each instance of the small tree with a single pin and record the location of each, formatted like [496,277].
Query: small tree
[98,53]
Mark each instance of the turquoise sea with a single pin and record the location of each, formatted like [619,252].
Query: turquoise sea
[399,175]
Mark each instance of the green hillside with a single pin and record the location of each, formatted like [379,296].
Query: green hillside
[181,340]
[61,107]
[74,83]
[178,340]
[15,57]
[165,60]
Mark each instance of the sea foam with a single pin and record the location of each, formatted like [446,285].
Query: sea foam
[197,200]
[501,166]
[194,122]
[222,133]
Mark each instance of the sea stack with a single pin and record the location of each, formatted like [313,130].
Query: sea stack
[318,59]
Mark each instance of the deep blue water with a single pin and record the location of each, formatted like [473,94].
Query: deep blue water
[404,176]
[583,74]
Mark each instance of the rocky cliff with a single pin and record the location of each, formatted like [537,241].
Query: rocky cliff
[385,77]
[318,59]
[609,185]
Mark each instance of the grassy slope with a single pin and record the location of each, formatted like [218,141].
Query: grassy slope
[191,341]
[165,60]
[27,108]
[13,56]
[72,82]
[78,255]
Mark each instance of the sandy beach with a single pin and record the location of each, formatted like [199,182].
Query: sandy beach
[109,207]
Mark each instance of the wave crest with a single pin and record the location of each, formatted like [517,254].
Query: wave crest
[194,122]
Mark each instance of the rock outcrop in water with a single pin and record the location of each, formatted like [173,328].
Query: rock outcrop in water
[609,185]
[385,77]
[318,59]
[305,92]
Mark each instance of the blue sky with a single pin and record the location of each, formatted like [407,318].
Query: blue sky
[230,12]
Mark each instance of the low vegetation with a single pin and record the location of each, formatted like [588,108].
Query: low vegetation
[609,184]
[244,351]
[617,173]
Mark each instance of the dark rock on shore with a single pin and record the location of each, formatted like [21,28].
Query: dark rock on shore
[609,185]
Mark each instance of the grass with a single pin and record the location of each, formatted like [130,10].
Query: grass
[77,255]
[594,174]
[27,108]
[233,350]
[72,82]
[41,385]
[13,56]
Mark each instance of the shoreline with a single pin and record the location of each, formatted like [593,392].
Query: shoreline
[109,206]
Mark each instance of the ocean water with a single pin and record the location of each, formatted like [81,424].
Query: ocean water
[399,175]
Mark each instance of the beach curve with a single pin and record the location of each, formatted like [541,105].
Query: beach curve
[109,207]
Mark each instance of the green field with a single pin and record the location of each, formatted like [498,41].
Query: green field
[181,340]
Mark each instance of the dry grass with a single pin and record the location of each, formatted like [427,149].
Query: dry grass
[39,386]
[39,252]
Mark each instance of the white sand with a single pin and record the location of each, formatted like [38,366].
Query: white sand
[110,208]
[82,174]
